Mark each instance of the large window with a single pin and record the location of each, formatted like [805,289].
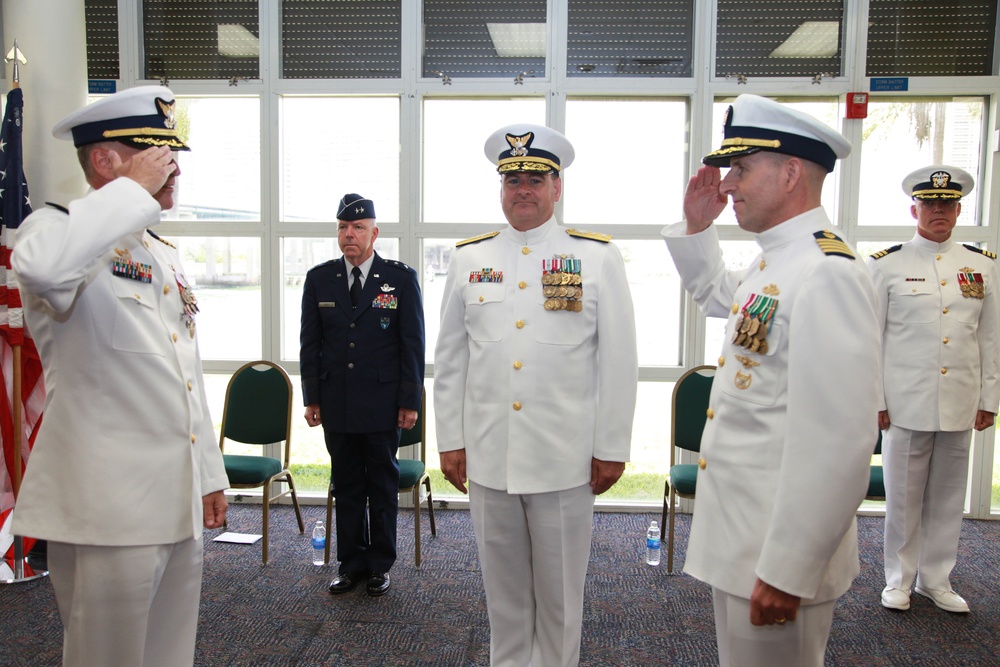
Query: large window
[289,105]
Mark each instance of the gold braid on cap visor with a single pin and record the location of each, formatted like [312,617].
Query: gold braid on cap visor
[536,164]
[937,194]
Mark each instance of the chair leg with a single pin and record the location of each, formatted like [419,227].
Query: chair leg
[295,502]
[430,506]
[267,505]
[329,535]
[416,523]
[663,514]
[670,533]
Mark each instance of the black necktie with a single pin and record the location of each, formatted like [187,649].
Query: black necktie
[356,287]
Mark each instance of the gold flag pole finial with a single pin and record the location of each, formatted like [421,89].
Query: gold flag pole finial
[16,56]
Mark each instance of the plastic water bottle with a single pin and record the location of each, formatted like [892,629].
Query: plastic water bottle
[653,544]
[319,543]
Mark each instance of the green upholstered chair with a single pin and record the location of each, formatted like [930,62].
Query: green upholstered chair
[688,412]
[876,478]
[412,476]
[258,411]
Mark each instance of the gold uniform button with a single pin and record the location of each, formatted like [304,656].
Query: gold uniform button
[525,250]
[481,299]
[736,309]
[944,282]
[519,324]
[174,336]
[166,289]
[710,413]
[722,361]
[193,438]
[517,406]
[938,257]
[944,310]
[522,284]
[146,243]
[702,464]
[946,341]
[762,264]
[944,371]
[190,386]
[517,365]
[914,290]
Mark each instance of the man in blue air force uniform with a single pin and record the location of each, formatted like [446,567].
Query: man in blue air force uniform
[534,393]
[788,441]
[362,365]
[126,469]
[937,305]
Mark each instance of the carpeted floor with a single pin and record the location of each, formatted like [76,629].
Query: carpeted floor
[635,615]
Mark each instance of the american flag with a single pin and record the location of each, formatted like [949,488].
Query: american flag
[14,207]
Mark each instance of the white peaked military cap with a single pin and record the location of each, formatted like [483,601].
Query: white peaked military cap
[526,147]
[141,117]
[938,181]
[755,124]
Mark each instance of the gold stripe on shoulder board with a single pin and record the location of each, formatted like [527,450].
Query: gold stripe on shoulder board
[831,244]
[477,239]
[987,253]
[593,236]
[886,251]
[161,240]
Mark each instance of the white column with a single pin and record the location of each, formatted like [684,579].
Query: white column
[52,35]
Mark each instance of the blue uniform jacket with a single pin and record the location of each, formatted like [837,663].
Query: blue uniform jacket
[361,365]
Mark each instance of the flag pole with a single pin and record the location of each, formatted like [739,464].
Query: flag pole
[20,559]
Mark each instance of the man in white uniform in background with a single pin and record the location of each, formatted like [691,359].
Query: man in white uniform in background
[534,393]
[787,445]
[937,304]
[126,469]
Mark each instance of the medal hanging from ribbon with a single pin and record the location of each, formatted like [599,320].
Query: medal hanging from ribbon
[562,284]
[971,284]
[755,320]
[189,300]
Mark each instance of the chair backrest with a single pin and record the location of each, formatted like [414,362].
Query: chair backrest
[417,434]
[689,407]
[258,408]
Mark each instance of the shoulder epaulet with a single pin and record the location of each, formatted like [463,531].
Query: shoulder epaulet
[593,236]
[831,244]
[153,234]
[477,239]
[398,264]
[57,207]
[882,253]
[991,255]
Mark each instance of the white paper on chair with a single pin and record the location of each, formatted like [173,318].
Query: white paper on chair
[237,538]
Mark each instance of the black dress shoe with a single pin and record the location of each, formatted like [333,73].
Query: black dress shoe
[344,582]
[378,584]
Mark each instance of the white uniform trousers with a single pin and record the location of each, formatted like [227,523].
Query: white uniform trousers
[926,473]
[799,643]
[127,606]
[533,551]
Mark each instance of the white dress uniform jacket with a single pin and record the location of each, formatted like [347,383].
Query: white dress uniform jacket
[940,356]
[790,434]
[126,449]
[531,394]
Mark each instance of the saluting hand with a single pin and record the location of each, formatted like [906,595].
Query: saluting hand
[151,168]
[702,200]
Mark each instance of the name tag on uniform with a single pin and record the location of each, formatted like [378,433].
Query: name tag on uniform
[327,304]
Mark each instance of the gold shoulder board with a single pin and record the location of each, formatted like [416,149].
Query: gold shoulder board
[593,236]
[882,253]
[831,244]
[153,234]
[477,239]
[991,255]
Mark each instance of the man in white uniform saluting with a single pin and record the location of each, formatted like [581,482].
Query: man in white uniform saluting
[788,441]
